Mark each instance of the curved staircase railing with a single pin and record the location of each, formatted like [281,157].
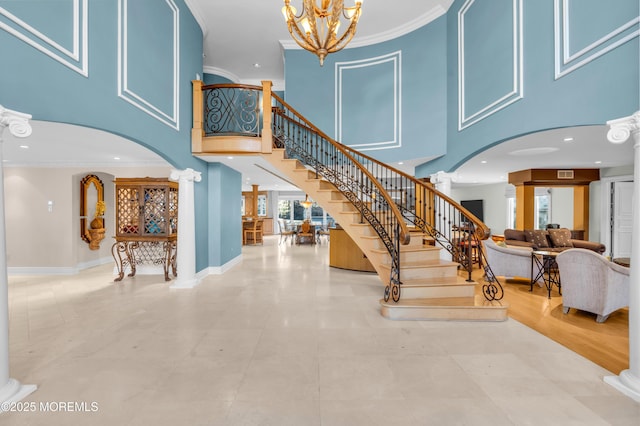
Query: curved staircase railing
[332,162]
[387,198]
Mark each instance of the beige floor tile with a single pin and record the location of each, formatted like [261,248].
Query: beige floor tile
[283,339]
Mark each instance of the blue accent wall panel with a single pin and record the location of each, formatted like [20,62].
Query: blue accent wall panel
[149,37]
[488,73]
[225,218]
[366,118]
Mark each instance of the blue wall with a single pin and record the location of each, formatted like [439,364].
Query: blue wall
[225,222]
[604,87]
[509,82]
[147,98]
[357,85]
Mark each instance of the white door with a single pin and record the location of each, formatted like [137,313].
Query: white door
[622,219]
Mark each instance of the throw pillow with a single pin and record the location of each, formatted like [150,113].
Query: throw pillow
[560,237]
[501,244]
[537,237]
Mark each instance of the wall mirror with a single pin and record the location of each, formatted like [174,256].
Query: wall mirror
[91,192]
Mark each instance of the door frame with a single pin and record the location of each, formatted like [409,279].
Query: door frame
[605,211]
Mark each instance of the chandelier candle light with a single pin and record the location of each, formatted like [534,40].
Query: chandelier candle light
[316,28]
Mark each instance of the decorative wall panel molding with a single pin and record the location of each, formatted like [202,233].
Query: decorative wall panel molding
[71,52]
[168,114]
[569,56]
[514,90]
[369,105]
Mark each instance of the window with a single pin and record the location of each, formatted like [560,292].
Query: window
[542,206]
[511,213]
[262,205]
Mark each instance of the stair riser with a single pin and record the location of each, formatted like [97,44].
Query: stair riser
[428,272]
[444,313]
[437,292]
[418,256]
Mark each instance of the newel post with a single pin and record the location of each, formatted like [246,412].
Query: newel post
[267,134]
[628,382]
[11,390]
[198,112]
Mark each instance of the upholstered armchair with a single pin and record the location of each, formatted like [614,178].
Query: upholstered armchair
[510,262]
[592,283]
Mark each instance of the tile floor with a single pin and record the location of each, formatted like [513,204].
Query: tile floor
[282,339]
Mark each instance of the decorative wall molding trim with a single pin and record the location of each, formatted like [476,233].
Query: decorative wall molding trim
[517,91]
[567,61]
[395,58]
[75,57]
[172,118]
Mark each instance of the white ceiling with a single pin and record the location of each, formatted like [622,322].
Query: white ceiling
[232,50]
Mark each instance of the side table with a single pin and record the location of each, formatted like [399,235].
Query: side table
[547,269]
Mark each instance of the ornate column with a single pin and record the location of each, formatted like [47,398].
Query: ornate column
[11,390]
[186,256]
[628,382]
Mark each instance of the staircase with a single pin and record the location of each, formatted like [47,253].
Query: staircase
[402,239]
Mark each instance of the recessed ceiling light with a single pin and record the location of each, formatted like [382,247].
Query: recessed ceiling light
[24,146]
[257,65]
[598,162]
[484,161]
[230,158]
[400,163]
[569,139]
[116,158]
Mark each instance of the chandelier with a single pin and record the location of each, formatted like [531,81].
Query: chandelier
[307,202]
[316,28]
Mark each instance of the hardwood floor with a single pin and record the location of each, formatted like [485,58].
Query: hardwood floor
[605,344]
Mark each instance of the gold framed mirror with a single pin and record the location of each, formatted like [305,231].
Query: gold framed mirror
[92,210]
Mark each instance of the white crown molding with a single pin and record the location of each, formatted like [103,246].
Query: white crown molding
[75,59]
[197,14]
[517,91]
[125,92]
[85,164]
[391,34]
[396,59]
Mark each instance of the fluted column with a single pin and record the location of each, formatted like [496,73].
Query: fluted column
[186,256]
[628,382]
[11,390]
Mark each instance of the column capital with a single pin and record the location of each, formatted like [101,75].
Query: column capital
[442,177]
[188,175]
[622,128]
[18,122]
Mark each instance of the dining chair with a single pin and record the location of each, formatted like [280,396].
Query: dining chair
[306,233]
[285,232]
[253,235]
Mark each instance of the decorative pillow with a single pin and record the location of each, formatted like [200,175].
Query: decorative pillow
[501,244]
[538,237]
[560,237]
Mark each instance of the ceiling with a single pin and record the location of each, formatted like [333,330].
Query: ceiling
[53,144]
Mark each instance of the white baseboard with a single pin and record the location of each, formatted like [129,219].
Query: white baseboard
[57,270]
